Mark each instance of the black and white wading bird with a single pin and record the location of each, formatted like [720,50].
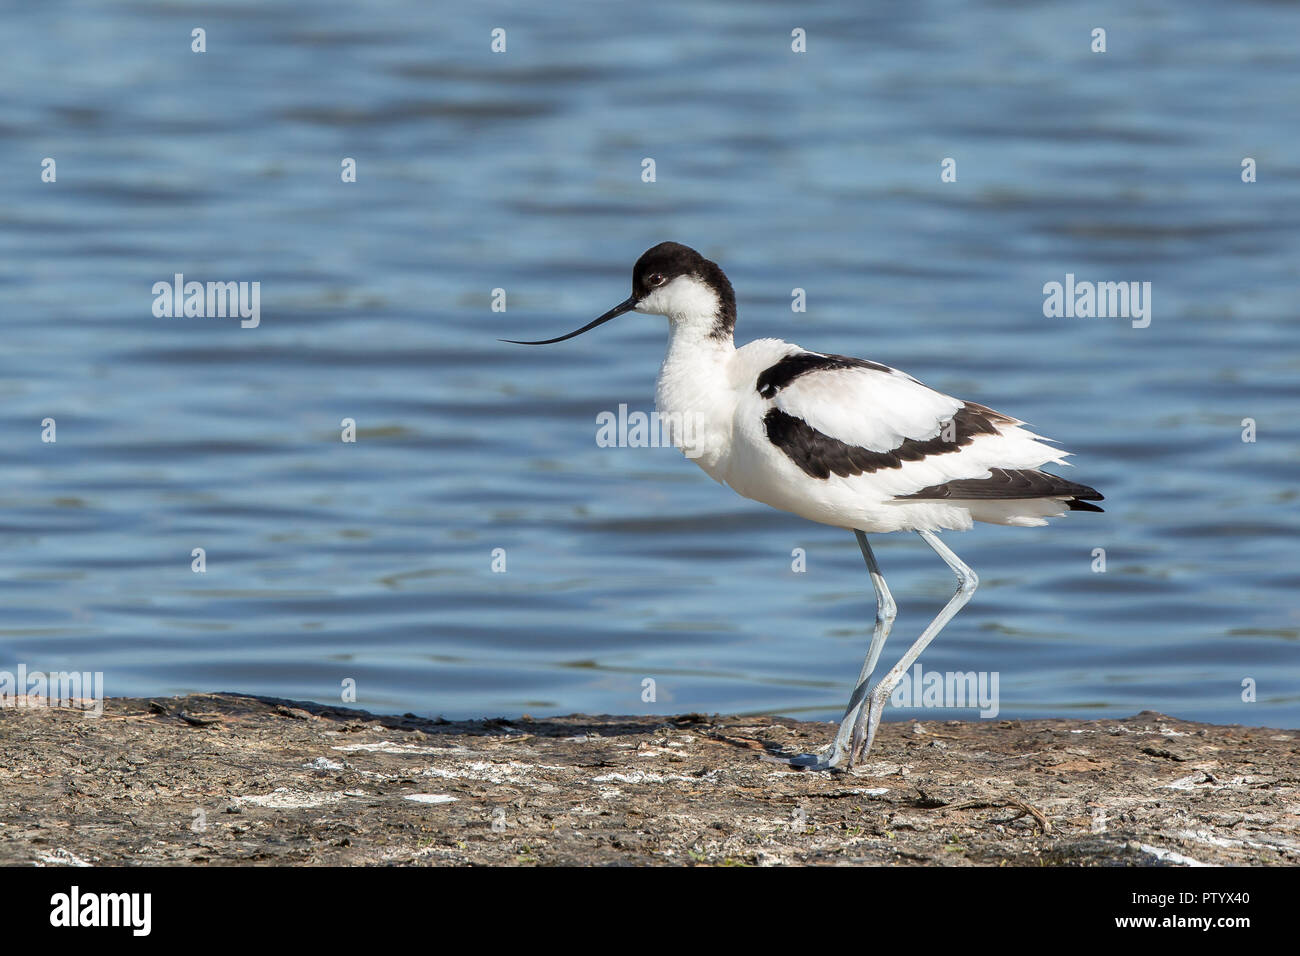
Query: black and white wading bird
[842,441]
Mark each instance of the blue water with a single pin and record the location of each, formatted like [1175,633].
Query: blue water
[372,561]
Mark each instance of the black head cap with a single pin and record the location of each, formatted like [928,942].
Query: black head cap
[662,263]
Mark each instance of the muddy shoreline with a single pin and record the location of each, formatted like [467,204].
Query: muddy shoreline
[230,779]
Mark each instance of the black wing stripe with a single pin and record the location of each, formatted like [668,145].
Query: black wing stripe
[776,377]
[1018,483]
[820,455]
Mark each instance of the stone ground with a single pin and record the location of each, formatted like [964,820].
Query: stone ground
[228,779]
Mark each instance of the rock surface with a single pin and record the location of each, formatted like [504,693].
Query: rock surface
[222,778]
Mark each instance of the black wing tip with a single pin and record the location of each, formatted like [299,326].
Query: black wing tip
[1078,504]
[1082,499]
[1014,484]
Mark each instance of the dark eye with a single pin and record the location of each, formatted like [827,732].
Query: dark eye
[656,279]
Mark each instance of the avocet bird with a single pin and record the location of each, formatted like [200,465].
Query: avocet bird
[842,441]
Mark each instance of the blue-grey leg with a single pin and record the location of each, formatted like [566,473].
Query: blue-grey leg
[886,611]
[868,717]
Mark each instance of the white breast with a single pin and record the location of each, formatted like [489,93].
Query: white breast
[702,384]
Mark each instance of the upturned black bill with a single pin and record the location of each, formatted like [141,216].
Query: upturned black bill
[625,306]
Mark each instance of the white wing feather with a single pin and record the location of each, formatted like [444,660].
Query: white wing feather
[881,410]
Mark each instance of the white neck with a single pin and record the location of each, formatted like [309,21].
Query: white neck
[693,389]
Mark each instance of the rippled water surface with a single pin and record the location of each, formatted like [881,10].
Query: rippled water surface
[522,171]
